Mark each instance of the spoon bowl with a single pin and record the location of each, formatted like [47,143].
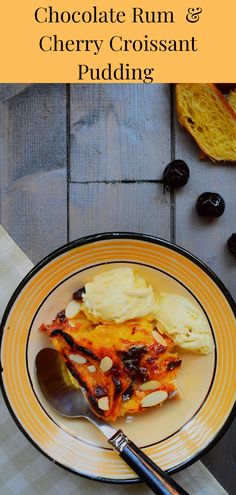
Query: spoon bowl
[64,398]
[68,401]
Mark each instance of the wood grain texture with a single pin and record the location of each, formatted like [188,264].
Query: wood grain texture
[33,157]
[114,207]
[206,238]
[119,131]
[7,91]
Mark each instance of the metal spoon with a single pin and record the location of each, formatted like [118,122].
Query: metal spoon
[69,402]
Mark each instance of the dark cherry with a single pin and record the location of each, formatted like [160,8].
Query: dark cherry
[176,174]
[135,352]
[141,373]
[127,393]
[173,364]
[131,365]
[78,294]
[118,385]
[100,391]
[61,315]
[210,204]
[232,244]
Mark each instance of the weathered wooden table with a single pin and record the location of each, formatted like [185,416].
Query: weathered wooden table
[80,159]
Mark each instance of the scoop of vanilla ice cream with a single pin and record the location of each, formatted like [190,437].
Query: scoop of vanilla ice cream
[184,323]
[118,295]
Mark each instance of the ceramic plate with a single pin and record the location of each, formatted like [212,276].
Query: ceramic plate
[174,435]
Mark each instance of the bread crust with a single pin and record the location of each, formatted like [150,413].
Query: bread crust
[226,107]
[223,99]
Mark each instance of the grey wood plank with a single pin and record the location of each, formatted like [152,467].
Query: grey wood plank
[33,159]
[207,239]
[119,131]
[112,207]
[7,91]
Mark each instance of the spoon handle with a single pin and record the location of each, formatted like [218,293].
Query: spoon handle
[159,482]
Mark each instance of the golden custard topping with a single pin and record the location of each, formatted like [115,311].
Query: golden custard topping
[122,367]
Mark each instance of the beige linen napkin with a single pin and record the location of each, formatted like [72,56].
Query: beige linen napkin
[23,469]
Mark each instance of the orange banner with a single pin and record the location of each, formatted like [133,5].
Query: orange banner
[140,41]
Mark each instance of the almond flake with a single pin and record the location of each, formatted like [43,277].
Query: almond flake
[159,339]
[154,398]
[106,364]
[72,309]
[77,358]
[103,404]
[91,368]
[151,385]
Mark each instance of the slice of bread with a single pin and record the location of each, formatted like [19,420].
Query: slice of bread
[209,118]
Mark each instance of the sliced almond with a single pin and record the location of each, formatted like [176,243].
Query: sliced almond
[72,309]
[154,398]
[106,364]
[103,403]
[77,358]
[151,385]
[91,368]
[159,339]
